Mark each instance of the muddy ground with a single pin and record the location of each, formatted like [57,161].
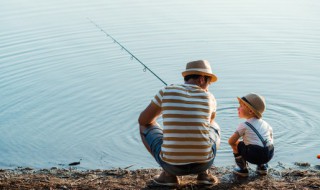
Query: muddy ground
[300,177]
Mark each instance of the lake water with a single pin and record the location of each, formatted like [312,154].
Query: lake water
[67,92]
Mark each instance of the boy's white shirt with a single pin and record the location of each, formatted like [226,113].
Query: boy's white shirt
[250,137]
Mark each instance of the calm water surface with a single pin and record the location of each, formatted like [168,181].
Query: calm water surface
[67,92]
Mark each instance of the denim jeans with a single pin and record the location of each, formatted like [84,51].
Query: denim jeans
[154,138]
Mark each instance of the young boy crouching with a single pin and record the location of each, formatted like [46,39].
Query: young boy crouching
[257,145]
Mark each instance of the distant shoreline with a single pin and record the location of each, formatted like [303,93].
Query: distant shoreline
[301,177]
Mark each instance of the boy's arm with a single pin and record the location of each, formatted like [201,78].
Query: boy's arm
[234,138]
[233,141]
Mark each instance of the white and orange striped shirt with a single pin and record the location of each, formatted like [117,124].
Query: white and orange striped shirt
[186,111]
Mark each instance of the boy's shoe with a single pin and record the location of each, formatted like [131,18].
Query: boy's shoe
[206,178]
[241,163]
[166,179]
[262,169]
[241,172]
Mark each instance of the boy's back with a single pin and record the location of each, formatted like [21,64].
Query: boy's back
[250,137]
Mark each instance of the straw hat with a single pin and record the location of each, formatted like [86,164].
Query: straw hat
[200,67]
[255,102]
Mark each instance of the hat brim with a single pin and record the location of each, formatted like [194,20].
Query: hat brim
[258,114]
[213,77]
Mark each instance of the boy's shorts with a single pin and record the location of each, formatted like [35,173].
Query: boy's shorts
[256,154]
[154,136]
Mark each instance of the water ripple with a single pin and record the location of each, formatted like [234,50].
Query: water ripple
[68,92]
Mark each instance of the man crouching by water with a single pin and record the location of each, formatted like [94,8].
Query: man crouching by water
[190,137]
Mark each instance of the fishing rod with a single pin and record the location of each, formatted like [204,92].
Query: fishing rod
[123,48]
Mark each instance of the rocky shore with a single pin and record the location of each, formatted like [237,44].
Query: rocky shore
[303,176]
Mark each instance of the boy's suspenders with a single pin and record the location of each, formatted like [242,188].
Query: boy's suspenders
[264,142]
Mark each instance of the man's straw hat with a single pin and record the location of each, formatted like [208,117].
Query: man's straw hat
[200,67]
[255,102]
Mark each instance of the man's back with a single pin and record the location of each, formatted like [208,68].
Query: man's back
[186,111]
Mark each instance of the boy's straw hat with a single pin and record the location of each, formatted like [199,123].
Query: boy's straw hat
[255,102]
[200,67]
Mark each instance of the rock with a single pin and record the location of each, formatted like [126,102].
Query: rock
[302,164]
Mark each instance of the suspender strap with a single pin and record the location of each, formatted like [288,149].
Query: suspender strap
[255,130]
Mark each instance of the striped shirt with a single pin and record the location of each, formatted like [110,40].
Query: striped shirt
[186,111]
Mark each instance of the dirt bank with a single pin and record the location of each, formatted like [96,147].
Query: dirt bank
[301,177]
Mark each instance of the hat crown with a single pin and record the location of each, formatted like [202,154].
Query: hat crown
[199,67]
[257,102]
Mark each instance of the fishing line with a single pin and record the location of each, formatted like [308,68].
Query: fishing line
[123,48]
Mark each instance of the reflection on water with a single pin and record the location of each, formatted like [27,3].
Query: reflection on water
[69,93]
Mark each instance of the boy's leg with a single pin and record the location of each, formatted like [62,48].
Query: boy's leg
[262,169]
[260,156]
[235,147]
[240,161]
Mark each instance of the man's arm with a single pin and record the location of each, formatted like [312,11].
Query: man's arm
[213,115]
[148,118]
[149,115]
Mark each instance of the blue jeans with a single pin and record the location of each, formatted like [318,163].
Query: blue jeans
[154,138]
